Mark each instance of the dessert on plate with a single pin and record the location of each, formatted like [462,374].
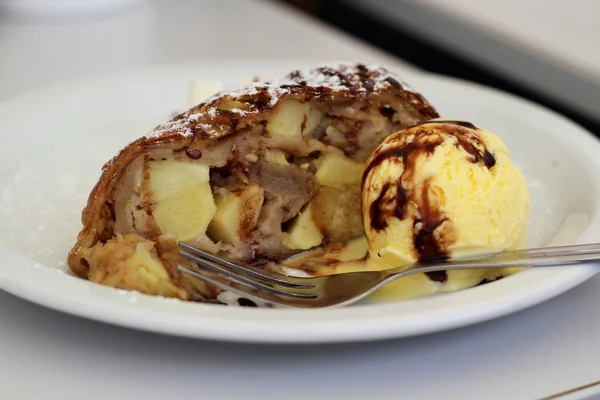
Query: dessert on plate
[268,174]
[439,190]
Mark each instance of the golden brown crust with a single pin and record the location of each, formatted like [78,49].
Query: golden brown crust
[226,113]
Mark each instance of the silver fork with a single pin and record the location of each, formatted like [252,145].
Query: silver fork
[282,291]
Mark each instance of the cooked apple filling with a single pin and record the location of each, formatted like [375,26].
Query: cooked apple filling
[256,175]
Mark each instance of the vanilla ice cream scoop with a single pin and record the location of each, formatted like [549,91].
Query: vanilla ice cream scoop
[439,190]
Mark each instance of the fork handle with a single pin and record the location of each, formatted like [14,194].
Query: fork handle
[528,258]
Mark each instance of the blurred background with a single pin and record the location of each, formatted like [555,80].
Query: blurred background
[539,49]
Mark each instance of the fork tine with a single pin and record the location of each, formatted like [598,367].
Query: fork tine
[246,270]
[224,287]
[242,279]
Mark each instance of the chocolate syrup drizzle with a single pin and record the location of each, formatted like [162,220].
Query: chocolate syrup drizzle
[394,197]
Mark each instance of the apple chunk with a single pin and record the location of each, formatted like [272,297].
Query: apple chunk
[187,213]
[304,233]
[182,199]
[276,157]
[237,214]
[336,170]
[168,177]
[337,212]
[294,118]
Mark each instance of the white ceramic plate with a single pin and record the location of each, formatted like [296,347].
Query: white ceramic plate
[54,142]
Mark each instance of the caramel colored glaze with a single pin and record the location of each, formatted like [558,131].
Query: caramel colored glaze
[394,196]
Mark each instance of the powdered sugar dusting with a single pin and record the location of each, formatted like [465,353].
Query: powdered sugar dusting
[179,127]
[193,118]
[338,76]
[219,114]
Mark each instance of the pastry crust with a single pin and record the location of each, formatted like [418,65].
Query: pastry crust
[348,88]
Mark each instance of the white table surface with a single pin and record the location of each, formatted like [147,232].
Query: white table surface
[550,46]
[48,355]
